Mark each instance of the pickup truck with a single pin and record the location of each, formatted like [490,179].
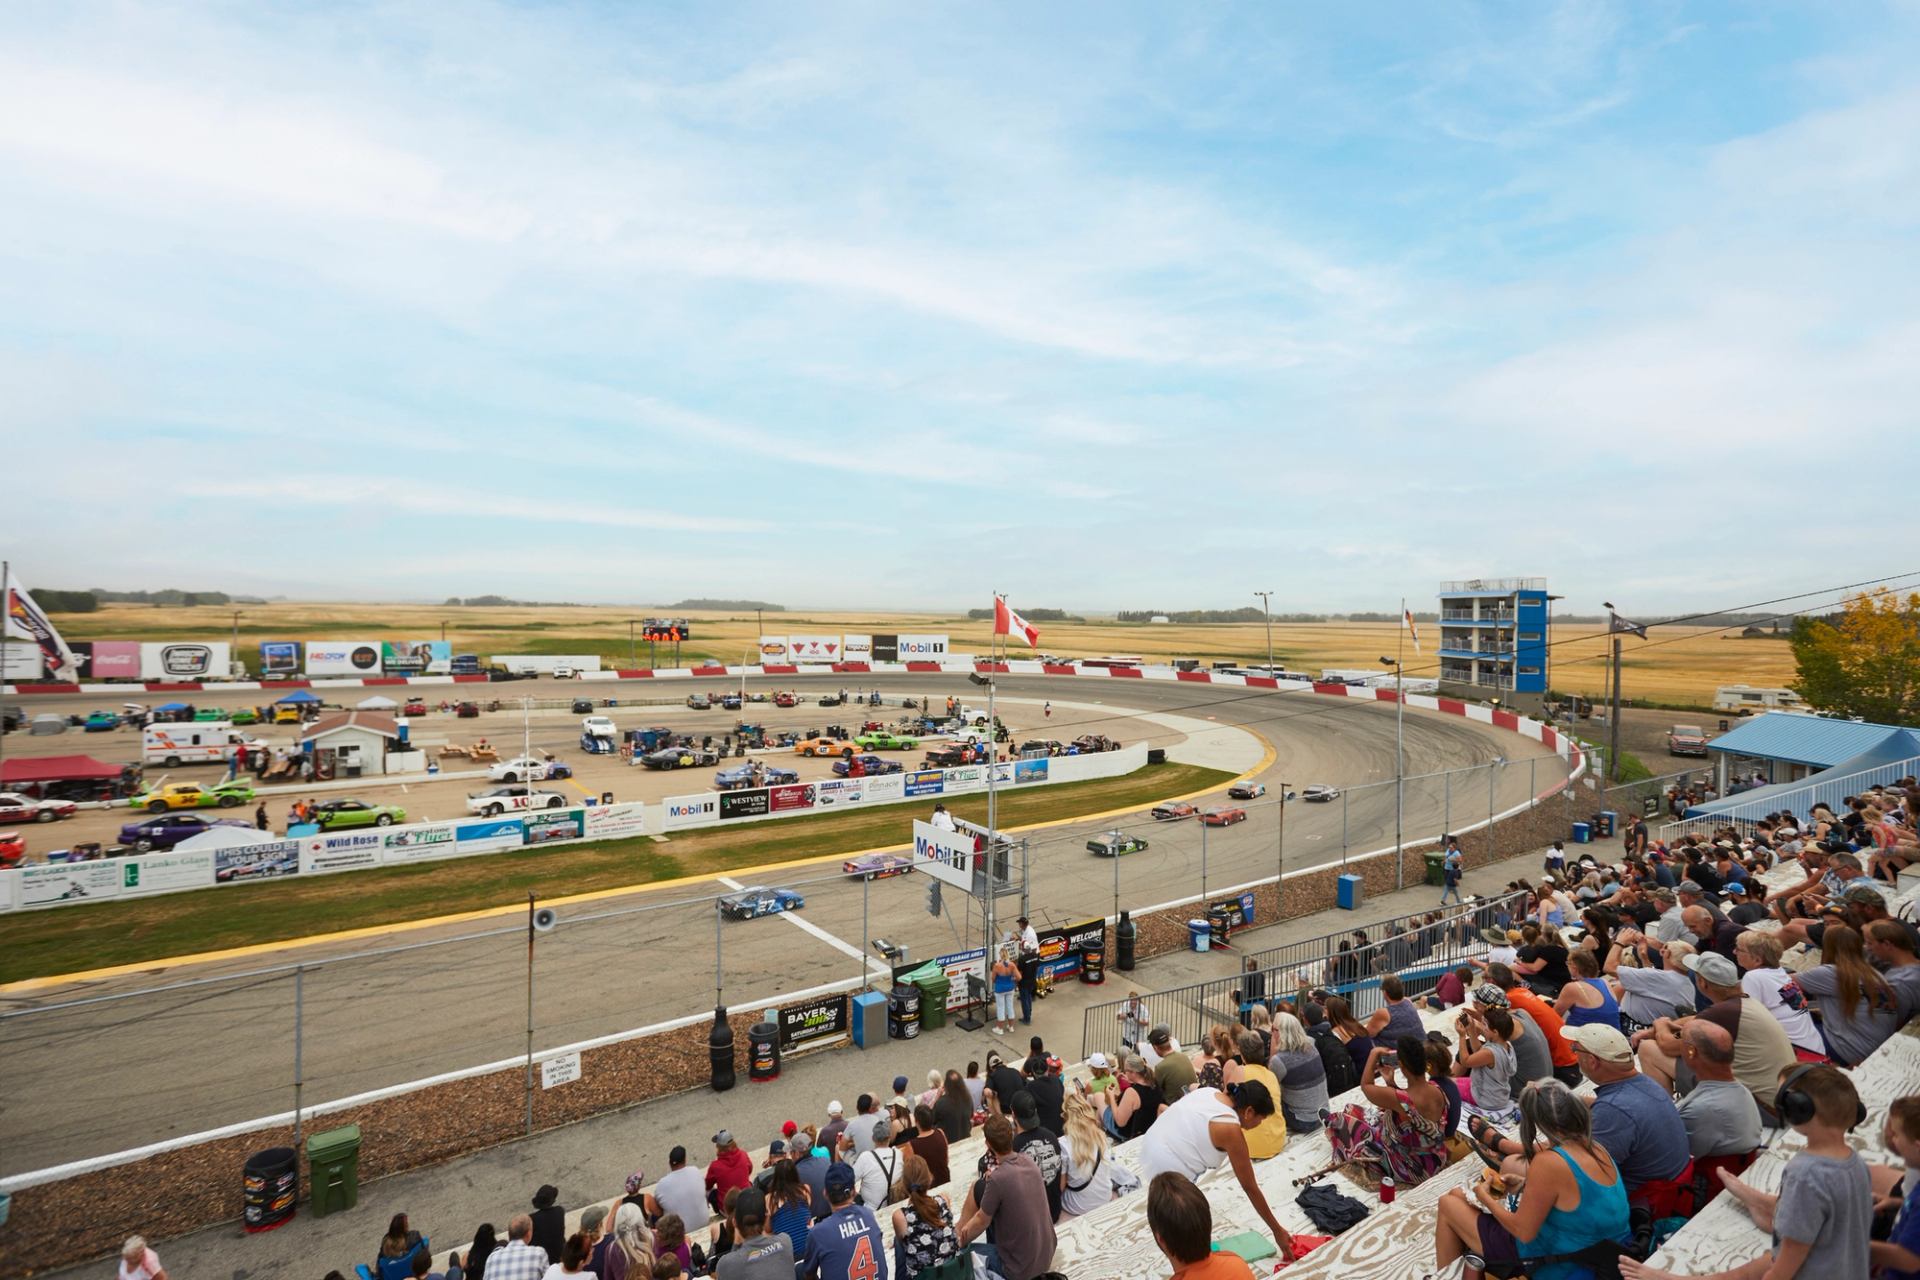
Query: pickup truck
[495,801]
[1686,740]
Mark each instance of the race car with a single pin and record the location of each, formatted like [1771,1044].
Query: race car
[738,778]
[414,707]
[495,801]
[877,866]
[947,757]
[760,901]
[1115,843]
[823,747]
[882,740]
[786,699]
[699,701]
[1174,810]
[730,701]
[773,775]
[599,727]
[1246,790]
[170,829]
[1319,793]
[15,807]
[869,766]
[191,795]
[833,699]
[336,814]
[680,758]
[13,849]
[1224,816]
[529,768]
[244,715]
[101,722]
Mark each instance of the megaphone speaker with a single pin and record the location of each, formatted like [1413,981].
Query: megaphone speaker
[544,919]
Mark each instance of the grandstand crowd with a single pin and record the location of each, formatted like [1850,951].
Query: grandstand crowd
[1627,1040]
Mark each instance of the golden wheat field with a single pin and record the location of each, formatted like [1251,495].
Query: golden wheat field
[1681,666]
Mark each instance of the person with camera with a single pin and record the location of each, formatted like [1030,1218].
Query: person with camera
[1486,1056]
[1405,1138]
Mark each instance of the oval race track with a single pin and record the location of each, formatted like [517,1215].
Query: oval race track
[101,1078]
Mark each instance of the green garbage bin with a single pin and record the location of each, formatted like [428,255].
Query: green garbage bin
[1436,867]
[933,999]
[333,1169]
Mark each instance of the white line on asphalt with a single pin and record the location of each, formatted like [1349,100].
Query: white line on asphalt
[808,925]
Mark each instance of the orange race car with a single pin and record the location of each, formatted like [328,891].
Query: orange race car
[824,747]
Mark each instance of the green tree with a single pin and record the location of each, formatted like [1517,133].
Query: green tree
[1866,662]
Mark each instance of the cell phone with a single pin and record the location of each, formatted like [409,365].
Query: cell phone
[1390,1059]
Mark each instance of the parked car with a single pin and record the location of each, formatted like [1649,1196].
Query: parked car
[467,710]
[885,740]
[529,768]
[1246,790]
[1320,793]
[1043,746]
[760,901]
[730,701]
[244,715]
[495,801]
[13,849]
[870,765]
[582,706]
[414,707]
[1682,740]
[699,702]
[738,778]
[833,699]
[1223,816]
[191,795]
[679,758]
[823,747]
[788,699]
[169,829]
[877,866]
[1115,843]
[15,807]
[599,727]
[100,722]
[948,757]
[1174,810]
[562,671]
[773,775]
[332,814]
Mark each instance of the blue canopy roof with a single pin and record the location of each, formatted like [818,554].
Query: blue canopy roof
[1897,749]
[1802,739]
[298,695]
[171,706]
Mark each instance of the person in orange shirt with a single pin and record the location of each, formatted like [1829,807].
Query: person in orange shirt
[1565,1069]
[1182,1226]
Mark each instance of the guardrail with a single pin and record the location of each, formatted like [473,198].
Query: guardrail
[1419,948]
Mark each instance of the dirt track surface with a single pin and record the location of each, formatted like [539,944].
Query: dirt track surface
[221,1050]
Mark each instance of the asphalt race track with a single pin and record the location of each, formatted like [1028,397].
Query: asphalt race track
[104,1077]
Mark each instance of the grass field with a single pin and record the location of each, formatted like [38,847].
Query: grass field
[1680,666]
[73,939]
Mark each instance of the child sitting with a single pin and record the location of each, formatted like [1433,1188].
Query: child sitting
[1898,1256]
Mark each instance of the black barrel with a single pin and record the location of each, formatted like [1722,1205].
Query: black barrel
[903,1012]
[763,1051]
[1219,923]
[720,1051]
[1123,936]
[269,1187]
[1093,967]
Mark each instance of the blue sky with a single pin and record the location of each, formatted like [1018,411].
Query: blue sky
[1103,305]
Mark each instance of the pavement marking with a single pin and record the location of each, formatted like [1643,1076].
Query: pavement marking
[838,944]
[169,963]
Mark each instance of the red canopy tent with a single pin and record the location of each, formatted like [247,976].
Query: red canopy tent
[19,771]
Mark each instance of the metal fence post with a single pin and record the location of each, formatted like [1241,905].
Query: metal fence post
[866,930]
[1493,848]
[530,935]
[1343,829]
[299,1015]
[1446,810]
[1203,867]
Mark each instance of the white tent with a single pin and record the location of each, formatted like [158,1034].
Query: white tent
[222,837]
[376,703]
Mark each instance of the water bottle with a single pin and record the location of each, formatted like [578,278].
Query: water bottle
[1386,1190]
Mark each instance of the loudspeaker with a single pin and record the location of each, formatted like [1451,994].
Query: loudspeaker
[545,919]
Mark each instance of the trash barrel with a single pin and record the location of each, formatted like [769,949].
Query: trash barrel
[903,1012]
[1199,935]
[1436,867]
[869,1019]
[1608,821]
[333,1169]
[933,999]
[1582,833]
[1123,941]
[269,1188]
[763,1051]
[1349,892]
[1219,923]
[720,1052]
[1093,967]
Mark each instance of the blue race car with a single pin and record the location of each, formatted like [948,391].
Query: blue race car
[738,778]
[169,829]
[101,722]
[869,764]
[760,901]
[774,776]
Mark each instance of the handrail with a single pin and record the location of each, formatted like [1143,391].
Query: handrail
[1799,799]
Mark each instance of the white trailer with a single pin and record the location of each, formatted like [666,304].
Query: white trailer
[1746,699]
[545,664]
[172,745]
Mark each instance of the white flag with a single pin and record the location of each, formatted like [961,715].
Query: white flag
[25,620]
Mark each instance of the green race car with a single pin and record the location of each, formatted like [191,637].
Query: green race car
[191,795]
[210,715]
[881,740]
[336,814]
[1115,843]
[244,715]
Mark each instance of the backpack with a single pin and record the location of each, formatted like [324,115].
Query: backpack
[1342,1075]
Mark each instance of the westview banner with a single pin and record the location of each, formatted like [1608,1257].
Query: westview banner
[743,804]
[815,1023]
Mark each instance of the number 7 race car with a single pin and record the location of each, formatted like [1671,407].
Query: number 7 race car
[760,901]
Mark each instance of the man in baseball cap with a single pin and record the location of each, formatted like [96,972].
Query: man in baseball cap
[847,1242]
[1761,1049]
[1633,1116]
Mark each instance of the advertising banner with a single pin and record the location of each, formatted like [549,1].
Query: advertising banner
[23,662]
[115,660]
[839,792]
[921,648]
[886,649]
[160,872]
[788,799]
[925,782]
[1062,946]
[257,861]
[43,882]
[9,890]
[482,834]
[856,648]
[773,649]
[889,786]
[1239,909]
[616,821]
[947,856]
[279,659]
[416,657]
[343,658]
[341,851]
[690,811]
[743,804]
[185,661]
[557,824]
[418,842]
[1030,770]
[959,967]
[813,648]
[815,1023]
[968,777]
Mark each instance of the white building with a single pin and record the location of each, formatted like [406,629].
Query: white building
[351,744]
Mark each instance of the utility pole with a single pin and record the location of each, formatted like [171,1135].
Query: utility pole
[1614,628]
[1280,855]
[1399,760]
[1266,607]
[633,650]
[233,651]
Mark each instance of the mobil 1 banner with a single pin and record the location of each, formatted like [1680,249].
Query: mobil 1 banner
[815,1023]
[744,804]
[690,811]
[921,648]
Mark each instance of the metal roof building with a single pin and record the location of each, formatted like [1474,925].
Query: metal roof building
[1801,759]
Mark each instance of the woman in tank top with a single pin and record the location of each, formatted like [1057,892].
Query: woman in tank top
[1587,1000]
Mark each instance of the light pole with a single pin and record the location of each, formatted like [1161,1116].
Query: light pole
[1613,706]
[233,651]
[1266,607]
[1280,855]
[1399,766]
[633,649]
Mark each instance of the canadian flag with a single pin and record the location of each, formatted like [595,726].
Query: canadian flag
[1008,623]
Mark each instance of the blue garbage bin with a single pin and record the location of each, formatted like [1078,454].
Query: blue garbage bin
[1352,889]
[1199,935]
[1582,833]
[1609,823]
